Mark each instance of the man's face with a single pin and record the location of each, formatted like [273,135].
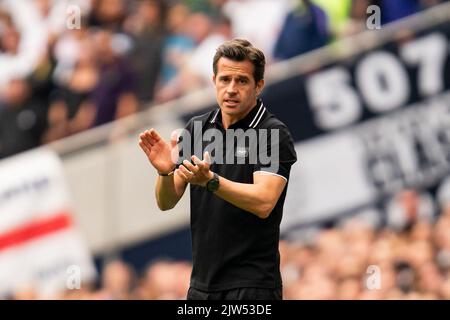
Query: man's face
[236,90]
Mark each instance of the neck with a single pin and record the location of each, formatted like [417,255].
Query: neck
[228,120]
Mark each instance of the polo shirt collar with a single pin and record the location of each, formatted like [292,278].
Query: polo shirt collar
[251,120]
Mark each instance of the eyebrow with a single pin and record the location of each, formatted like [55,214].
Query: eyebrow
[238,77]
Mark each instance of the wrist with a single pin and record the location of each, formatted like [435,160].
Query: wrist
[166,174]
[209,176]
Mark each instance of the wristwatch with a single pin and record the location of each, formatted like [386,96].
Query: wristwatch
[213,184]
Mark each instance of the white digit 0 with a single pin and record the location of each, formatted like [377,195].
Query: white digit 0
[334,102]
[383,82]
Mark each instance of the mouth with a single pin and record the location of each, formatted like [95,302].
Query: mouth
[231,102]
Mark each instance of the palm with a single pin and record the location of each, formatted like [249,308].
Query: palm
[161,155]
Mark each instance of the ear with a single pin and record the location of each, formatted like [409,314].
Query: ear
[260,86]
[214,78]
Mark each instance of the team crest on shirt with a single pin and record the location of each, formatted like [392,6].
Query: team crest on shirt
[241,152]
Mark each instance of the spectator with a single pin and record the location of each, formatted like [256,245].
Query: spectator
[10,40]
[108,14]
[117,281]
[22,118]
[196,72]
[161,281]
[357,18]
[198,64]
[337,13]
[114,95]
[72,109]
[177,44]
[212,8]
[304,29]
[147,29]
[269,13]
[394,10]
[24,41]
[407,207]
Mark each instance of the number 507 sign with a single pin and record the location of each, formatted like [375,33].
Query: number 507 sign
[380,82]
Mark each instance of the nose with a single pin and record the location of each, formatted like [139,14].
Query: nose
[231,88]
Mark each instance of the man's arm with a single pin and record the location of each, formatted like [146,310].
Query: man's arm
[259,197]
[169,189]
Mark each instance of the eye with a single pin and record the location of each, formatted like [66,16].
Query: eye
[243,81]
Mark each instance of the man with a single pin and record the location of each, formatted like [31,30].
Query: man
[236,209]
[22,118]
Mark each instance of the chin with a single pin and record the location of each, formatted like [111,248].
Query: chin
[236,107]
[231,110]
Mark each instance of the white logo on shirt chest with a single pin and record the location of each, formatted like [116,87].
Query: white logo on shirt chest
[241,152]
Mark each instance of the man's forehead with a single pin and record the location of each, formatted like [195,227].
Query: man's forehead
[227,66]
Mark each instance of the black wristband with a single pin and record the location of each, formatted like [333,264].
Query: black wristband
[166,174]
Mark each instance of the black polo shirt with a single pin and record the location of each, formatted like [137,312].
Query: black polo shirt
[231,247]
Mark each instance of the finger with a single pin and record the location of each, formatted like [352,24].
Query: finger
[155,135]
[207,157]
[147,134]
[201,166]
[148,138]
[146,143]
[206,161]
[186,172]
[143,143]
[190,166]
[143,135]
[196,159]
[151,139]
[144,148]
[181,175]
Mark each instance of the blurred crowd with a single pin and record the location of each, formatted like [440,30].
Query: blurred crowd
[352,260]
[357,261]
[70,65]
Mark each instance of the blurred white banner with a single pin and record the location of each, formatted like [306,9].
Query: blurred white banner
[39,242]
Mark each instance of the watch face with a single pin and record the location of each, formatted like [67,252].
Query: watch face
[213,184]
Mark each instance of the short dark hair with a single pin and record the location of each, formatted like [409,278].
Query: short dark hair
[240,50]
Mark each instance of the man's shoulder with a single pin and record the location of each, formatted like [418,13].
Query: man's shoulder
[272,122]
[202,118]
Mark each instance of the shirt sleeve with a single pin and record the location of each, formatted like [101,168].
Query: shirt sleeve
[277,154]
